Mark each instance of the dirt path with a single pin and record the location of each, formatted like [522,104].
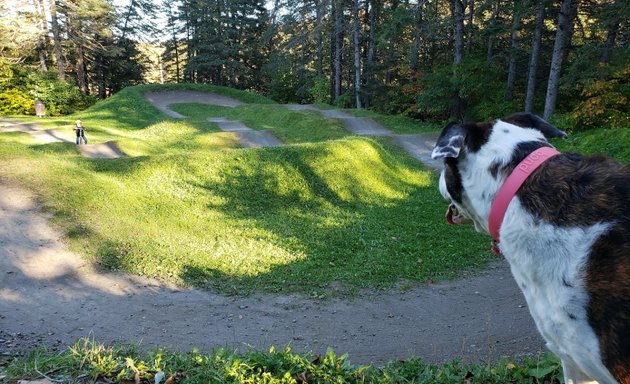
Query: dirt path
[248,137]
[419,146]
[48,295]
[162,100]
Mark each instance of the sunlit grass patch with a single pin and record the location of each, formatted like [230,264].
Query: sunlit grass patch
[287,219]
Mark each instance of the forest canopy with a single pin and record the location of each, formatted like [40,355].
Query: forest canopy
[428,59]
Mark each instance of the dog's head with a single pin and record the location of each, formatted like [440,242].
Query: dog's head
[479,156]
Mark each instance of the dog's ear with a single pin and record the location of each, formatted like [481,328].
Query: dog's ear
[450,142]
[529,120]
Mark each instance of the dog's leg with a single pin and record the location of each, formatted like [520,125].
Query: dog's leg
[573,374]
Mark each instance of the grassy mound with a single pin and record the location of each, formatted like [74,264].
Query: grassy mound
[332,215]
[297,218]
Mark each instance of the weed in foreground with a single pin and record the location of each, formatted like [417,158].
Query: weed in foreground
[89,362]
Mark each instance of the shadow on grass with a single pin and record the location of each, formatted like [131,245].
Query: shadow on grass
[121,165]
[348,238]
[56,148]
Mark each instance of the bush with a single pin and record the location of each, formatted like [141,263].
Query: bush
[20,86]
[606,104]
[60,97]
[15,102]
[320,91]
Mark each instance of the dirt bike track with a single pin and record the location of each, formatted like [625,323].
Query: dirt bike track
[50,296]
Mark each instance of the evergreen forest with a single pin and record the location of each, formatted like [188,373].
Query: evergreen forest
[430,60]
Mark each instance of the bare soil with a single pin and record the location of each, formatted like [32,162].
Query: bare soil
[51,296]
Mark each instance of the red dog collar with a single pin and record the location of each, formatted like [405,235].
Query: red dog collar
[511,186]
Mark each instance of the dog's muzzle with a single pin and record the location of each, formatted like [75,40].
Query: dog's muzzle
[455,217]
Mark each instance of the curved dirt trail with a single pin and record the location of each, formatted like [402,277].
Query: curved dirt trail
[48,295]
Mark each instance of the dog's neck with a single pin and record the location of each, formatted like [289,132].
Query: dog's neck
[512,185]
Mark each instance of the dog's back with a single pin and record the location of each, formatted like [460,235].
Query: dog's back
[566,235]
[572,191]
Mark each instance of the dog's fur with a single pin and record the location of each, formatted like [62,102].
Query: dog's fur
[566,235]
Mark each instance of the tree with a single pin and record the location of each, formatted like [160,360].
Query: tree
[336,47]
[533,59]
[563,38]
[357,53]
[516,25]
[458,37]
[56,30]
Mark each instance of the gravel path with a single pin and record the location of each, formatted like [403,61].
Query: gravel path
[419,146]
[163,99]
[248,137]
[49,295]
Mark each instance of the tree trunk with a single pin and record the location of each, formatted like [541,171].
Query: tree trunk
[563,37]
[357,54]
[491,37]
[417,37]
[368,72]
[99,67]
[338,25]
[609,44]
[57,40]
[319,59]
[458,18]
[470,26]
[533,59]
[516,25]
[43,32]
[127,17]
[458,35]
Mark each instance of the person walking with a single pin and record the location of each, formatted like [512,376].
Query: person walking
[80,130]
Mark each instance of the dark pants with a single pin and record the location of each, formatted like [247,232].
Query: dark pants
[81,135]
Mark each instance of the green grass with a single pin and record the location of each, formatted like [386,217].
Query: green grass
[325,218]
[88,361]
[613,143]
[287,219]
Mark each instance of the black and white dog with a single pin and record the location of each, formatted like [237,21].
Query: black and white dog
[562,221]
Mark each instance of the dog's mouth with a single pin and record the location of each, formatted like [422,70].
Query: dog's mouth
[455,217]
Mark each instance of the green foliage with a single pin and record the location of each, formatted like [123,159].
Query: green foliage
[284,84]
[611,142]
[320,91]
[435,99]
[60,98]
[20,86]
[15,102]
[607,103]
[87,359]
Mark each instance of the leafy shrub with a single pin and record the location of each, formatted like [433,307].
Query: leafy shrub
[606,104]
[60,97]
[13,101]
[320,91]
[20,86]
[474,81]
[435,99]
